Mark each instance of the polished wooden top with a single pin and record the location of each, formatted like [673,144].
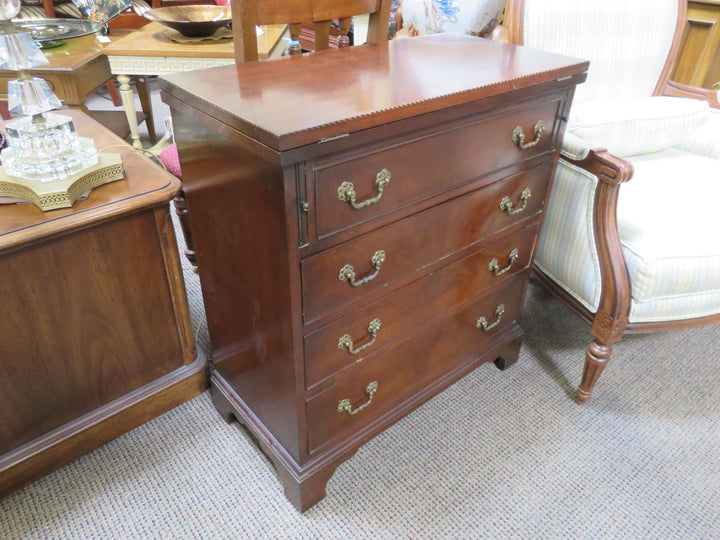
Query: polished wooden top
[145,184]
[297,100]
[150,41]
[72,55]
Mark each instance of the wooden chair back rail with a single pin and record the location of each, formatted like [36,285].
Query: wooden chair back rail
[247,14]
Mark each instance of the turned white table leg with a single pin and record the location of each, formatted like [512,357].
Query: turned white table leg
[128,101]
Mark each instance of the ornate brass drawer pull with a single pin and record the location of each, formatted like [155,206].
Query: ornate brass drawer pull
[506,204]
[346,342]
[346,191]
[494,265]
[518,136]
[482,321]
[347,272]
[346,406]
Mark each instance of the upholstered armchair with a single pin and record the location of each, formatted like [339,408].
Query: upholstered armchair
[631,235]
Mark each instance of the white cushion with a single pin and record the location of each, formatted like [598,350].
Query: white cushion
[632,126]
[669,227]
[705,141]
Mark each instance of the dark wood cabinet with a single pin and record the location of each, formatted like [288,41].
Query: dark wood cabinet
[95,337]
[365,221]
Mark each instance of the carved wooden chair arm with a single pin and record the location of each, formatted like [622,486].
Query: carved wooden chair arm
[693,92]
[611,171]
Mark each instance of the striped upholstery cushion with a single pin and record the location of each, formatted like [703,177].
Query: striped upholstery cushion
[66,10]
[31,12]
[626,41]
[566,248]
[705,140]
[630,126]
[674,275]
[670,194]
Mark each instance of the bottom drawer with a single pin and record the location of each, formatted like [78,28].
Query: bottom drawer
[434,348]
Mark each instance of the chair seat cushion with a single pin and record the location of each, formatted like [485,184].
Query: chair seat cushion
[622,125]
[170,158]
[669,226]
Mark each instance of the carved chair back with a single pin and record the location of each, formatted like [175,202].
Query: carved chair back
[631,44]
[247,14]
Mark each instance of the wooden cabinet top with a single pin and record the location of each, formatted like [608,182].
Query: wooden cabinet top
[298,100]
[145,184]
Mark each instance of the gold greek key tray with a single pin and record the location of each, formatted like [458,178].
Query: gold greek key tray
[63,193]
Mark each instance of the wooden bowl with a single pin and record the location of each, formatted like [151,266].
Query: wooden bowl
[191,21]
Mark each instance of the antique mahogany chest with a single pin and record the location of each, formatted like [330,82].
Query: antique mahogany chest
[364,221]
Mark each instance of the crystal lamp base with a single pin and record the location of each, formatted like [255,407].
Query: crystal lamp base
[46,148]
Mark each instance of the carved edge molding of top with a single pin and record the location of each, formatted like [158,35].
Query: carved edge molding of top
[162,65]
[507,85]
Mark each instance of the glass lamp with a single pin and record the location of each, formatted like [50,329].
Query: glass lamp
[42,146]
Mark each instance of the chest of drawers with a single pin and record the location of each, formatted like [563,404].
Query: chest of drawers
[365,221]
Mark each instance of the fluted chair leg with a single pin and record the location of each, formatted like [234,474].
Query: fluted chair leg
[596,358]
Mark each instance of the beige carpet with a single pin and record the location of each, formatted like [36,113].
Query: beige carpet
[498,455]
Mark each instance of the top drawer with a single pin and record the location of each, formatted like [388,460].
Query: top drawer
[358,186]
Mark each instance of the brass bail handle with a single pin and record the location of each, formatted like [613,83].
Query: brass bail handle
[346,341]
[346,406]
[347,272]
[482,322]
[494,265]
[506,204]
[518,136]
[346,191]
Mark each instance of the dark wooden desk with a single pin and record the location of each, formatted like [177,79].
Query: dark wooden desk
[95,337]
[364,220]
